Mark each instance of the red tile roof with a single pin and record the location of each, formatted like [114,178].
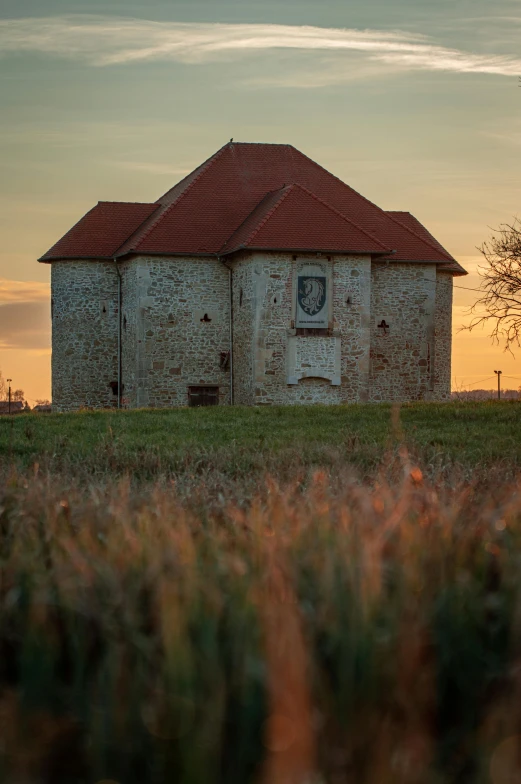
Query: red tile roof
[227,193]
[102,231]
[414,225]
[293,218]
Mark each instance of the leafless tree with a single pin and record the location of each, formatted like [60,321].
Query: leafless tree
[501,285]
[18,396]
[3,387]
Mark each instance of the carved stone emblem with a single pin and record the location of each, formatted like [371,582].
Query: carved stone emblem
[311,293]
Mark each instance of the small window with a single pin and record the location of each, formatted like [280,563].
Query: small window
[203,396]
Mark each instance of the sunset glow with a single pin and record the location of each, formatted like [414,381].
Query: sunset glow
[415,106]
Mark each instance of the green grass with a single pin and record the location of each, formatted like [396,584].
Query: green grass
[240,440]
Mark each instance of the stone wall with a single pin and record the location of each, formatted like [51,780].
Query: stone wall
[129,341]
[84,334]
[243,345]
[402,361]
[177,325]
[443,336]
[265,328]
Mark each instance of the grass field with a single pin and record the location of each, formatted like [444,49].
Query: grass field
[261,596]
[239,441]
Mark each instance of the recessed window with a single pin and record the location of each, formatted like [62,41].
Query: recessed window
[240,298]
[206,319]
[203,396]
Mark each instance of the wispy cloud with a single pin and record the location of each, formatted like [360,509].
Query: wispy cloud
[25,325]
[17,291]
[104,41]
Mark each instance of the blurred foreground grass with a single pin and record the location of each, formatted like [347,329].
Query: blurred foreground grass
[358,623]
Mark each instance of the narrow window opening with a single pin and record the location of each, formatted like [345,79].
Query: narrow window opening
[104,309]
[240,298]
[115,388]
[125,323]
[206,319]
[203,396]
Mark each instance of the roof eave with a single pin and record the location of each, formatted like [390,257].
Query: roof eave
[174,253]
[335,252]
[50,259]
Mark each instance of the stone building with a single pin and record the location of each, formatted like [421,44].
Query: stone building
[260,278]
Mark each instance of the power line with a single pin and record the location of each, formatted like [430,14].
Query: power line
[490,378]
[464,288]
[481,381]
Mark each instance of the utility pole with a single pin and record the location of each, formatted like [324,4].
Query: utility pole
[9,380]
[498,374]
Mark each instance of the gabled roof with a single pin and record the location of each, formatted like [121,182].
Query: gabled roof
[414,225]
[202,213]
[102,231]
[293,218]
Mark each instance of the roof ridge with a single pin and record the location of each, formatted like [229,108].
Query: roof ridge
[368,201]
[319,166]
[260,144]
[344,217]
[128,203]
[42,258]
[285,190]
[134,233]
[423,239]
[203,169]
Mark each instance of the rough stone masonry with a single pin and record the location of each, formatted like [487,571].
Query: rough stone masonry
[257,290]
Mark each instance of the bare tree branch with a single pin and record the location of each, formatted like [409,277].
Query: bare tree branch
[501,286]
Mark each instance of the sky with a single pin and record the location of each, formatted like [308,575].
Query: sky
[415,104]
